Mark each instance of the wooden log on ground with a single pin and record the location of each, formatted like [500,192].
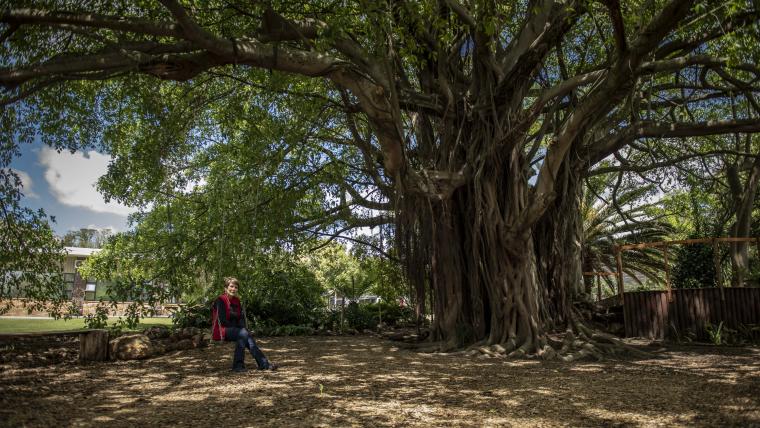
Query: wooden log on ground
[93,345]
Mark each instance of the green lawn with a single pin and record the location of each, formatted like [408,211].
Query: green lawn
[37,325]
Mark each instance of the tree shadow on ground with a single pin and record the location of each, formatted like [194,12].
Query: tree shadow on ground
[365,381]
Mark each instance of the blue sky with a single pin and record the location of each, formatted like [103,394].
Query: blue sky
[63,184]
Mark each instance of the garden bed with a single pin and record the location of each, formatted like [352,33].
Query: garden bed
[368,381]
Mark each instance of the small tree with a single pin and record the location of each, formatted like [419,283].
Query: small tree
[695,266]
[86,237]
[624,221]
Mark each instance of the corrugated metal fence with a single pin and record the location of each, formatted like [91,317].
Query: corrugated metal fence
[650,314]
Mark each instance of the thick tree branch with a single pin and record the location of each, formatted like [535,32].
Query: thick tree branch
[462,13]
[641,168]
[537,37]
[42,17]
[675,64]
[699,38]
[603,148]
[197,34]
[563,88]
[617,24]
[174,67]
[615,86]
[278,29]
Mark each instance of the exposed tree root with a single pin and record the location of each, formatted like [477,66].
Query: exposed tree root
[578,342]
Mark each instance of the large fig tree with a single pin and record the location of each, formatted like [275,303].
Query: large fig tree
[472,122]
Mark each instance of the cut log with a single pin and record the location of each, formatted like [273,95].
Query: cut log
[93,345]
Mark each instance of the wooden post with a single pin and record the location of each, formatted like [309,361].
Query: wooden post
[667,274]
[718,270]
[93,345]
[619,260]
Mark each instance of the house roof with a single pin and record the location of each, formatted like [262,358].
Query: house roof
[79,251]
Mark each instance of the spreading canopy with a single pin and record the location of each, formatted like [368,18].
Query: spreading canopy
[465,120]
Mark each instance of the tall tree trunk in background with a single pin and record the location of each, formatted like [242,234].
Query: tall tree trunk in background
[744,199]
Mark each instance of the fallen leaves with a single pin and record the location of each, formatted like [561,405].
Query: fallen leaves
[350,381]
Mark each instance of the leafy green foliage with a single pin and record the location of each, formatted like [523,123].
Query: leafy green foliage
[715,333]
[86,238]
[284,293]
[98,319]
[356,273]
[694,266]
[361,316]
[277,291]
[606,226]
[30,255]
[198,315]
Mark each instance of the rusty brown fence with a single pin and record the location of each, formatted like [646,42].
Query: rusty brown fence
[658,315]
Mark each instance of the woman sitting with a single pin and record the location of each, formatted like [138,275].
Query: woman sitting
[229,324]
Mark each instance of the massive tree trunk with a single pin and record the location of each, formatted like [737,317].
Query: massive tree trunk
[482,268]
[559,241]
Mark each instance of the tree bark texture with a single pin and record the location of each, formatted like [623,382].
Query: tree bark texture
[559,242]
[482,267]
[93,345]
[744,195]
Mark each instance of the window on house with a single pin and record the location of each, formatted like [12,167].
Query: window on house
[89,290]
[68,284]
[102,291]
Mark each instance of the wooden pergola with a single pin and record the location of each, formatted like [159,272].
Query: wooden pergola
[653,313]
[664,245]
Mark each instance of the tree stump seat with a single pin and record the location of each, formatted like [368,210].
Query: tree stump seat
[93,343]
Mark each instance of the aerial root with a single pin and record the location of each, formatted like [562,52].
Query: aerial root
[579,343]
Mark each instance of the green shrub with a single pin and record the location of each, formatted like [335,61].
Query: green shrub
[368,315]
[284,295]
[100,318]
[392,313]
[328,319]
[715,333]
[694,267]
[360,317]
[198,315]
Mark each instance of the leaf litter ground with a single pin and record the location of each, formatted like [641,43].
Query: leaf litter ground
[368,381]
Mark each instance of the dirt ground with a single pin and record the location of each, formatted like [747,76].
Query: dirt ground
[368,381]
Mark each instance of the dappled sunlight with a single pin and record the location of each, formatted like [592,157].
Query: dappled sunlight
[366,381]
[588,369]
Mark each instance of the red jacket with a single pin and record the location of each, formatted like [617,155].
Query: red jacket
[231,310]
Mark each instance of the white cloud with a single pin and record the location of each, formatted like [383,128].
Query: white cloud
[72,179]
[27,183]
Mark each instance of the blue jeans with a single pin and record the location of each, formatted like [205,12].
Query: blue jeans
[244,340]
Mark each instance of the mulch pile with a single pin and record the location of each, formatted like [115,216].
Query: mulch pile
[369,381]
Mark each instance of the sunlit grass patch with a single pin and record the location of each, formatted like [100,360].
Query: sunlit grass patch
[12,325]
